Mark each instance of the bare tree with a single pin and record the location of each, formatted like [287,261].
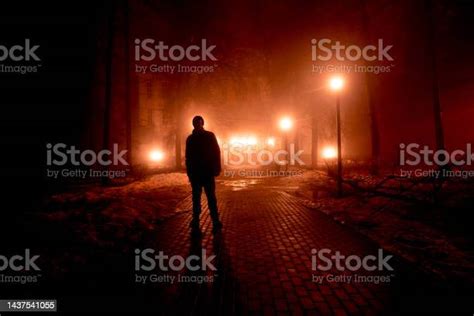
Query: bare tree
[432,53]
[370,86]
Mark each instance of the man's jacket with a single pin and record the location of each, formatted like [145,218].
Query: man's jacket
[203,155]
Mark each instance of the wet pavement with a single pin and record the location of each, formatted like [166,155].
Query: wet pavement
[264,260]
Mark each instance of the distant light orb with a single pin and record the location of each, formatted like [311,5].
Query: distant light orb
[336,83]
[156,155]
[286,124]
[251,140]
[271,141]
[234,141]
[243,140]
[329,152]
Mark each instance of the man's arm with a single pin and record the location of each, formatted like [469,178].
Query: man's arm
[217,155]
[188,157]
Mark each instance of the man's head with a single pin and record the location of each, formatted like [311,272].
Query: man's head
[198,122]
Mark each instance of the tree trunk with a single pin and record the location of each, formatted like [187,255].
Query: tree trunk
[438,124]
[128,101]
[108,82]
[374,129]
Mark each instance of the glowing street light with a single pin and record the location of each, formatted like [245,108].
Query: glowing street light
[247,141]
[336,84]
[234,141]
[329,152]
[156,155]
[271,142]
[251,140]
[286,123]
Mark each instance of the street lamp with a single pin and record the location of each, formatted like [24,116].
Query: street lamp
[329,153]
[271,142]
[285,124]
[336,84]
[156,155]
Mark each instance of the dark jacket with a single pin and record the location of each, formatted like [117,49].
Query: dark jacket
[203,155]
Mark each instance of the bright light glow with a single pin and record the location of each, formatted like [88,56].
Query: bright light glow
[286,123]
[271,141]
[329,152]
[156,155]
[336,83]
[252,140]
[238,140]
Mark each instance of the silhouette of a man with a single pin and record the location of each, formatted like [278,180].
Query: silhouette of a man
[203,163]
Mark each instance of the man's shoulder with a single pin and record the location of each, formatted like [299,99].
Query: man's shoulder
[206,134]
[190,136]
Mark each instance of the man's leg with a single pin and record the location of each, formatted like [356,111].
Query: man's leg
[197,191]
[210,190]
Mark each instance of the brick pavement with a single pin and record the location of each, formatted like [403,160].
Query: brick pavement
[264,260]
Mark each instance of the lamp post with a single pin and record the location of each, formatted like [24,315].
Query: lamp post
[156,155]
[336,84]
